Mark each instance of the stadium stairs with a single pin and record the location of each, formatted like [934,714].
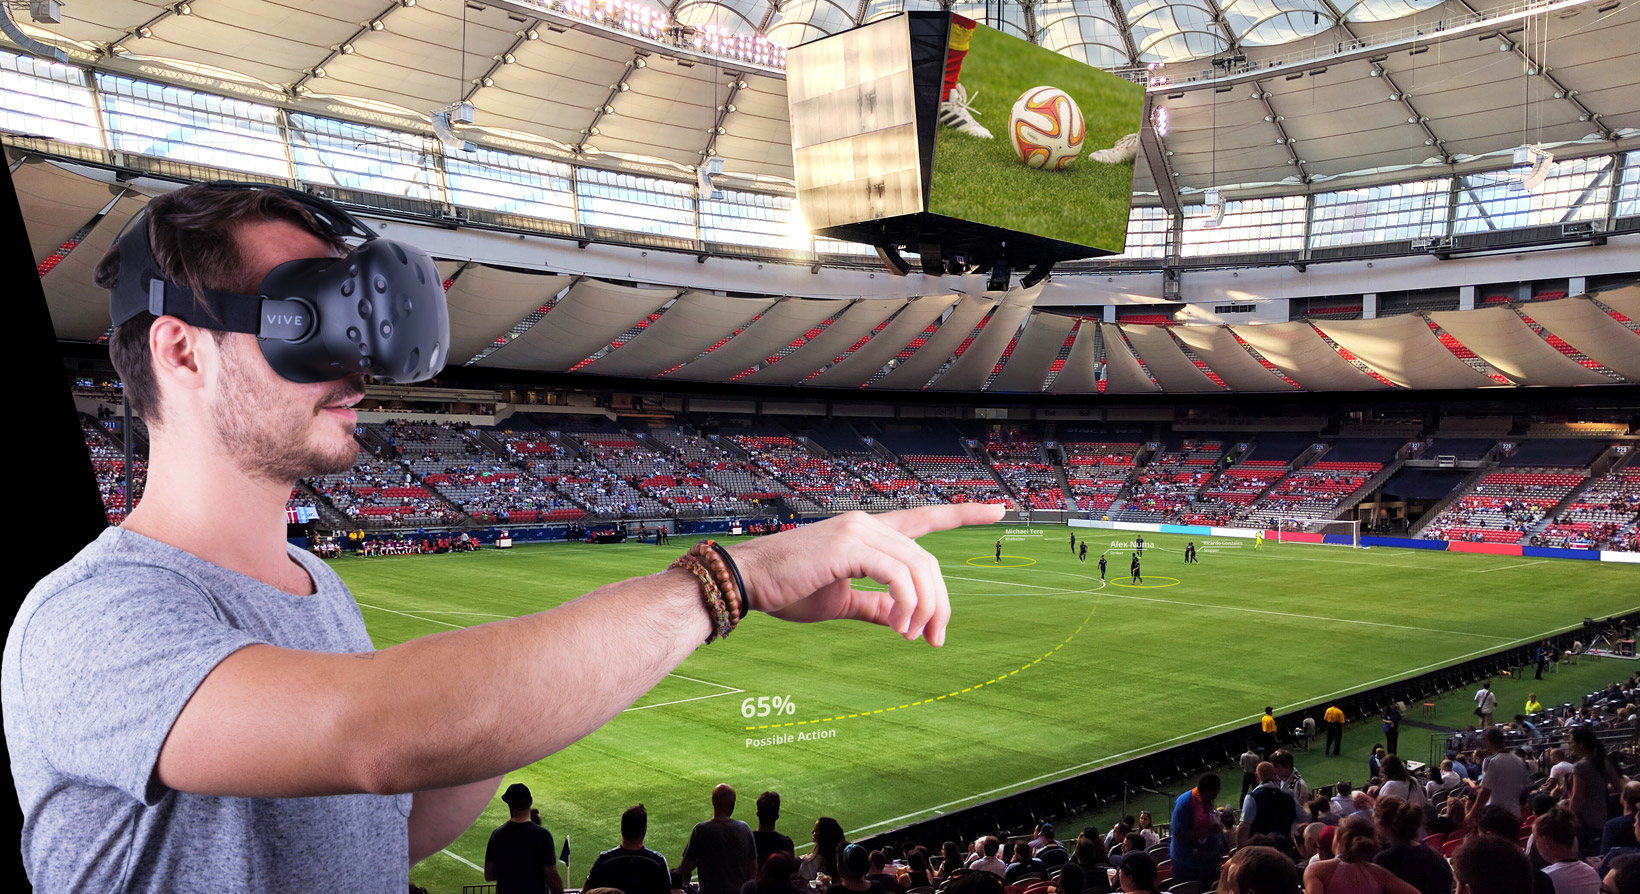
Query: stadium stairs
[1374,483]
[1462,490]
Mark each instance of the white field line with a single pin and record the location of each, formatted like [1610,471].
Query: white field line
[682,700]
[1253,611]
[728,690]
[455,856]
[1507,567]
[394,611]
[1231,724]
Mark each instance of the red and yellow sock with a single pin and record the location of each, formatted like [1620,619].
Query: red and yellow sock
[962,34]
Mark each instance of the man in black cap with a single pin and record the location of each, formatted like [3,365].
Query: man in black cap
[519,857]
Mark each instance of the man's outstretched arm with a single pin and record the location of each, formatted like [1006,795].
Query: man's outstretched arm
[467,705]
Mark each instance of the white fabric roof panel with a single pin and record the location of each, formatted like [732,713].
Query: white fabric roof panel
[1404,350]
[591,316]
[1028,367]
[56,204]
[1218,348]
[781,325]
[696,322]
[1298,351]
[416,60]
[554,87]
[1081,372]
[1172,369]
[1592,331]
[272,42]
[1501,338]
[970,371]
[852,325]
[79,310]
[1123,374]
[1625,301]
[914,372]
[666,113]
[487,301]
[858,367]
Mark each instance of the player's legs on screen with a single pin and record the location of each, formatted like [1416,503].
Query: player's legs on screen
[1125,150]
[955,111]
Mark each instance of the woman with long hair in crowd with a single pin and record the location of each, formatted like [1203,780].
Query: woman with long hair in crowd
[828,841]
[1147,828]
[1351,870]
[1592,775]
[1409,858]
[951,858]
[1089,852]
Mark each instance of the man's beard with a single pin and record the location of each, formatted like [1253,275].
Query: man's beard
[267,437]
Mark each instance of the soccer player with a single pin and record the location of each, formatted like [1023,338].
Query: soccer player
[1101,566]
[1190,553]
[1073,542]
[1133,570]
[1258,540]
[999,553]
[955,110]
[1083,555]
[1139,545]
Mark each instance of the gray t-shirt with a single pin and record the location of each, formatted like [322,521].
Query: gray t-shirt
[725,853]
[101,659]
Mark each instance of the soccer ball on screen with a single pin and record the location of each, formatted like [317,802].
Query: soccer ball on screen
[1046,128]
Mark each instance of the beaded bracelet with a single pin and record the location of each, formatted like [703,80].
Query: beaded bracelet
[745,598]
[722,576]
[723,617]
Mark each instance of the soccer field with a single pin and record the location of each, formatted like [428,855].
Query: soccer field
[1047,671]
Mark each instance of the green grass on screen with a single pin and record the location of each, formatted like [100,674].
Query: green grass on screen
[985,182]
[1046,674]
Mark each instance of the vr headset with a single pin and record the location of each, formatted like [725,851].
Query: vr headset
[378,310]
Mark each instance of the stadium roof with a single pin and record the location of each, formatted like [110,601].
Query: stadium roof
[964,340]
[1264,96]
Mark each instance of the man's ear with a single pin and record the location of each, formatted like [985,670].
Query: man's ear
[176,348]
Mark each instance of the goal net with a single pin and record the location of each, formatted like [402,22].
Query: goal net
[1346,532]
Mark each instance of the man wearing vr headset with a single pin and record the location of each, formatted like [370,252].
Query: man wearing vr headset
[193,704]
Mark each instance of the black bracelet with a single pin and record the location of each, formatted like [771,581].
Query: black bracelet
[740,584]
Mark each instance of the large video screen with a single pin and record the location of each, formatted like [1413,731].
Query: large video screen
[989,181]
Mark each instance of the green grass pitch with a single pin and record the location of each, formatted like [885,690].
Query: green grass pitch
[1046,673]
[985,182]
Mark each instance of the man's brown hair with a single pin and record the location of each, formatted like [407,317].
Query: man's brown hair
[193,235]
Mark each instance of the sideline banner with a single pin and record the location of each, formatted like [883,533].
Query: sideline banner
[1552,552]
[1496,549]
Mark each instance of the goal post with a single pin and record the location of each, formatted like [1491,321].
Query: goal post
[1347,529]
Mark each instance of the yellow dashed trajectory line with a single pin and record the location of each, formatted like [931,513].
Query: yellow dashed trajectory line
[930,700]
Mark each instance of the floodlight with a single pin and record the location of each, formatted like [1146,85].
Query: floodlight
[442,121]
[1214,202]
[1531,166]
[709,169]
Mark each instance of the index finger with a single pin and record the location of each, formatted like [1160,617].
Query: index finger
[914,523]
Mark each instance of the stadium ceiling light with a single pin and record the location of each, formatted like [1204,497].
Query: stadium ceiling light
[532,34]
[609,110]
[408,2]
[487,81]
[641,62]
[625,86]
[145,31]
[1213,200]
[183,9]
[377,24]
[508,58]
[346,48]
[1395,97]
[319,71]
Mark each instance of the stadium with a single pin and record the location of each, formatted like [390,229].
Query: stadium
[1345,417]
